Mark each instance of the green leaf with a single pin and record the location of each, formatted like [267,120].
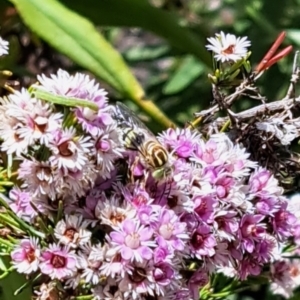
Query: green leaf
[294,35]
[77,38]
[146,53]
[188,71]
[140,13]
[62,100]
[296,296]
[11,283]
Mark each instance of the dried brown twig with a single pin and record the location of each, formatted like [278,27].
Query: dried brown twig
[285,104]
[266,130]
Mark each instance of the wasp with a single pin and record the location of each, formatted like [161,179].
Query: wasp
[137,136]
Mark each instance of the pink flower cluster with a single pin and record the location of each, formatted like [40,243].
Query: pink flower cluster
[123,234]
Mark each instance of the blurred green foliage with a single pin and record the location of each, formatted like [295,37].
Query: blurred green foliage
[141,49]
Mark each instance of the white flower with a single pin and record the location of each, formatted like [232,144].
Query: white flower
[73,282]
[111,212]
[26,121]
[90,261]
[285,133]
[68,150]
[12,143]
[228,271]
[285,277]
[294,205]
[39,123]
[12,109]
[3,47]
[107,148]
[72,231]
[47,291]
[75,181]
[109,290]
[78,85]
[228,47]
[38,177]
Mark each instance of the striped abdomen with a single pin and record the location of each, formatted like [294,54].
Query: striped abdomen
[155,154]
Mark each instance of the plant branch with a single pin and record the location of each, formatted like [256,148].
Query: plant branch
[279,105]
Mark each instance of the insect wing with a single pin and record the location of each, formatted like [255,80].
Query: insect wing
[126,118]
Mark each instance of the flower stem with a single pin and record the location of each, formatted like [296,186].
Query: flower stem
[4,274]
[195,123]
[154,112]
[26,284]
[227,293]
[225,126]
[59,211]
[85,297]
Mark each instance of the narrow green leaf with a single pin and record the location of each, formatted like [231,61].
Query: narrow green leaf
[77,38]
[187,72]
[140,13]
[256,15]
[62,100]
[27,284]
[2,265]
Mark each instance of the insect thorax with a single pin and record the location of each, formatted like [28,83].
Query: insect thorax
[132,138]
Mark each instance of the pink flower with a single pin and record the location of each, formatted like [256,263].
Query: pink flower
[162,254]
[284,222]
[226,223]
[251,230]
[208,152]
[198,280]
[267,205]
[20,203]
[203,242]
[164,275]
[182,141]
[72,231]
[147,214]
[58,262]
[249,267]
[38,176]
[90,261]
[204,208]
[266,249]
[26,256]
[115,266]
[170,231]
[224,185]
[133,241]
[263,182]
